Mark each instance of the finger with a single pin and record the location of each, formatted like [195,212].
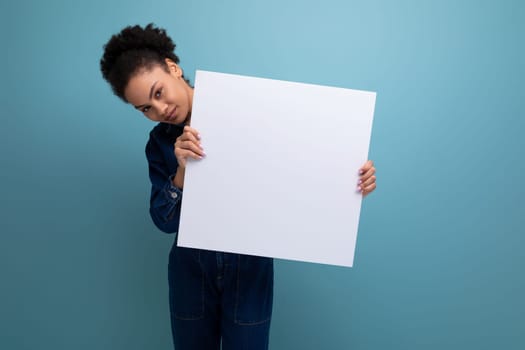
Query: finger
[189,130]
[188,136]
[369,173]
[369,181]
[183,155]
[368,164]
[184,140]
[190,154]
[190,146]
[366,186]
[369,189]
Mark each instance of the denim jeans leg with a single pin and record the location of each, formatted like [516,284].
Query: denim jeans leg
[247,303]
[195,320]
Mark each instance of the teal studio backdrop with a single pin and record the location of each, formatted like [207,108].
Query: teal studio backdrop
[440,253]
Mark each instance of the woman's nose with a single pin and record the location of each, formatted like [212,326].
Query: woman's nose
[161,109]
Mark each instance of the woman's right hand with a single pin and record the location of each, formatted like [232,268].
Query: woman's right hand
[188,145]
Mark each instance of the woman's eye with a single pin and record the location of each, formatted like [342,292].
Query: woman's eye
[158,93]
[145,109]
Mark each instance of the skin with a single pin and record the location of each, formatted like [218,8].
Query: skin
[164,96]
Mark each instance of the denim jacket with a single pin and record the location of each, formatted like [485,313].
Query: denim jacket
[165,201]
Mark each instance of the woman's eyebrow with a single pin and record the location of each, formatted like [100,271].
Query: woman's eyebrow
[150,94]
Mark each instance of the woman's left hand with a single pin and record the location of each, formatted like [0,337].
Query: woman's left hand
[367,178]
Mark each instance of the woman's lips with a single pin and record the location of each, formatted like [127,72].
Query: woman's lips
[171,116]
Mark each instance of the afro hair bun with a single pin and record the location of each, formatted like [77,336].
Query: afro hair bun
[136,38]
[132,48]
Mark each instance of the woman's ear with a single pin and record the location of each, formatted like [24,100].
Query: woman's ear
[173,67]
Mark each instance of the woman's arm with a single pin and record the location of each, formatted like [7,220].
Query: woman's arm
[166,187]
[165,200]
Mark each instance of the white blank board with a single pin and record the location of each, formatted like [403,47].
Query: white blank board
[281,169]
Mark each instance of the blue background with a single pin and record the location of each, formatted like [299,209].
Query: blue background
[440,253]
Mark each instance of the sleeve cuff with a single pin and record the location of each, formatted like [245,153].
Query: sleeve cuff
[173,193]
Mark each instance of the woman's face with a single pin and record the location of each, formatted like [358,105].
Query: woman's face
[162,96]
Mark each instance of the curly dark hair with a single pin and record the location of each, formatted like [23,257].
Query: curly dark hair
[133,49]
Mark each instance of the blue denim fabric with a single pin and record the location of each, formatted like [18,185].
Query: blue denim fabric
[165,200]
[213,296]
[216,295]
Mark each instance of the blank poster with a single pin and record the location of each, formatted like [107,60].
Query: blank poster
[281,169]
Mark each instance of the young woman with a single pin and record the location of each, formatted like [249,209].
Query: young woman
[214,297]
